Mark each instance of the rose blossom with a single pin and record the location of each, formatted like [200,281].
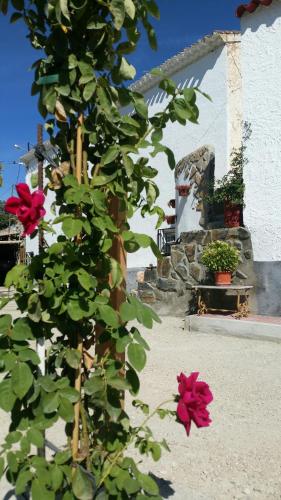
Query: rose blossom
[28,208]
[193,400]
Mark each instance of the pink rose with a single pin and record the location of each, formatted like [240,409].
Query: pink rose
[193,400]
[28,207]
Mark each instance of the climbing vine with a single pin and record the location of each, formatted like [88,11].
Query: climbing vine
[67,295]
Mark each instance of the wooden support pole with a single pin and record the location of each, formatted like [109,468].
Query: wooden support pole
[40,343]
[79,344]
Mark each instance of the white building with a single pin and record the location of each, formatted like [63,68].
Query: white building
[242,75]
[31,162]
[213,65]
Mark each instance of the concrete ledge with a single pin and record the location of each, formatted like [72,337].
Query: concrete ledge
[257,330]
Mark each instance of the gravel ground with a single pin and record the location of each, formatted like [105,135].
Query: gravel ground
[238,457]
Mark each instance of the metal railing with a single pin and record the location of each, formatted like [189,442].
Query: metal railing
[165,239]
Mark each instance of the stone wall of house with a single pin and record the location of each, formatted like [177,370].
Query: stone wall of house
[168,288]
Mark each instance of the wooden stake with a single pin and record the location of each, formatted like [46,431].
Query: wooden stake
[79,346]
[40,343]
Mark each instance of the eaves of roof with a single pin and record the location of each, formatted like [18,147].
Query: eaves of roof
[188,56]
[30,155]
[252,6]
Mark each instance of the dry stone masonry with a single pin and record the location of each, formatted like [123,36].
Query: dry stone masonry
[169,287]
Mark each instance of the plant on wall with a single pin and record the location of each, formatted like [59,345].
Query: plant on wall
[230,189]
[73,293]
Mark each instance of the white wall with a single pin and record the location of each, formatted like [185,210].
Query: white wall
[32,243]
[210,74]
[261,70]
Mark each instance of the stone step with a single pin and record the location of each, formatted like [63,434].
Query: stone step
[256,327]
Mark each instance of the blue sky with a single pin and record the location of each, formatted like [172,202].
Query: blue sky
[182,23]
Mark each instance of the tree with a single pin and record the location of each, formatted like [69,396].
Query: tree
[5,219]
[69,290]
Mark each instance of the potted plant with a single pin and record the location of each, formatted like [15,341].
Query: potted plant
[230,189]
[222,259]
[183,189]
[170,219]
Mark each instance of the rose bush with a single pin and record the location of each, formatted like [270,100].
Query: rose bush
[28,208]
[73,292]
[195,396]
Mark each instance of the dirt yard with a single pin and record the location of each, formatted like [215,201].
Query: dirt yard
[239,456]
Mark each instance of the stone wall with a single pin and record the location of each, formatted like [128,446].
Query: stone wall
[169,287]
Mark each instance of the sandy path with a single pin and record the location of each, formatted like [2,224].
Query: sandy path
[239,456]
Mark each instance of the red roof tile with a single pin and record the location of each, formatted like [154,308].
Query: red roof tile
[252,6]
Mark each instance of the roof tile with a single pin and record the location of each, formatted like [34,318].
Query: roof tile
[252,6]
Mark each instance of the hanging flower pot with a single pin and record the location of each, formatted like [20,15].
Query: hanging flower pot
[223,278]
[183,189]
[232,214]
[170,219]
[172,203]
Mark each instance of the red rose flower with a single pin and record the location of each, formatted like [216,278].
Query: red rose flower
[28,207]
[194,398]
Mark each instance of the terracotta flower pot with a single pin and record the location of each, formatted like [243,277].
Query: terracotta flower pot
[223,278]
[183,189]
[170,219]
[232,214]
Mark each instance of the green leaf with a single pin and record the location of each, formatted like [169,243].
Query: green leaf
[22,481]
[56,478]
[34,180]
[89,90]
[143,240]
[93,385]
[62,457]
[156,451]
[116,275]
[13,277]
[109,316]
[131,486]
[137,356]
[50,402]
[133,380]
[127,71]
[64,8]
[152,8]
[117,10]
[22,330]
[119,383]
[38,490]
[66,410]
[5,324]
[130,8]
[70,393]
[82,486]
[101,180]
[2,466]
[87,281]
[189,95]
[110,155]
[73,358]
[72,227]
[22,379]
[140,105]
[7,397]
[127,312]
[148,484]
[35,437]
[34,307]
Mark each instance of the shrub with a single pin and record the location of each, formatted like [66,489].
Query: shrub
[220,256]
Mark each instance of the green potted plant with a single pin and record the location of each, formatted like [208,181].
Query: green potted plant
[229,190]
[222,259]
